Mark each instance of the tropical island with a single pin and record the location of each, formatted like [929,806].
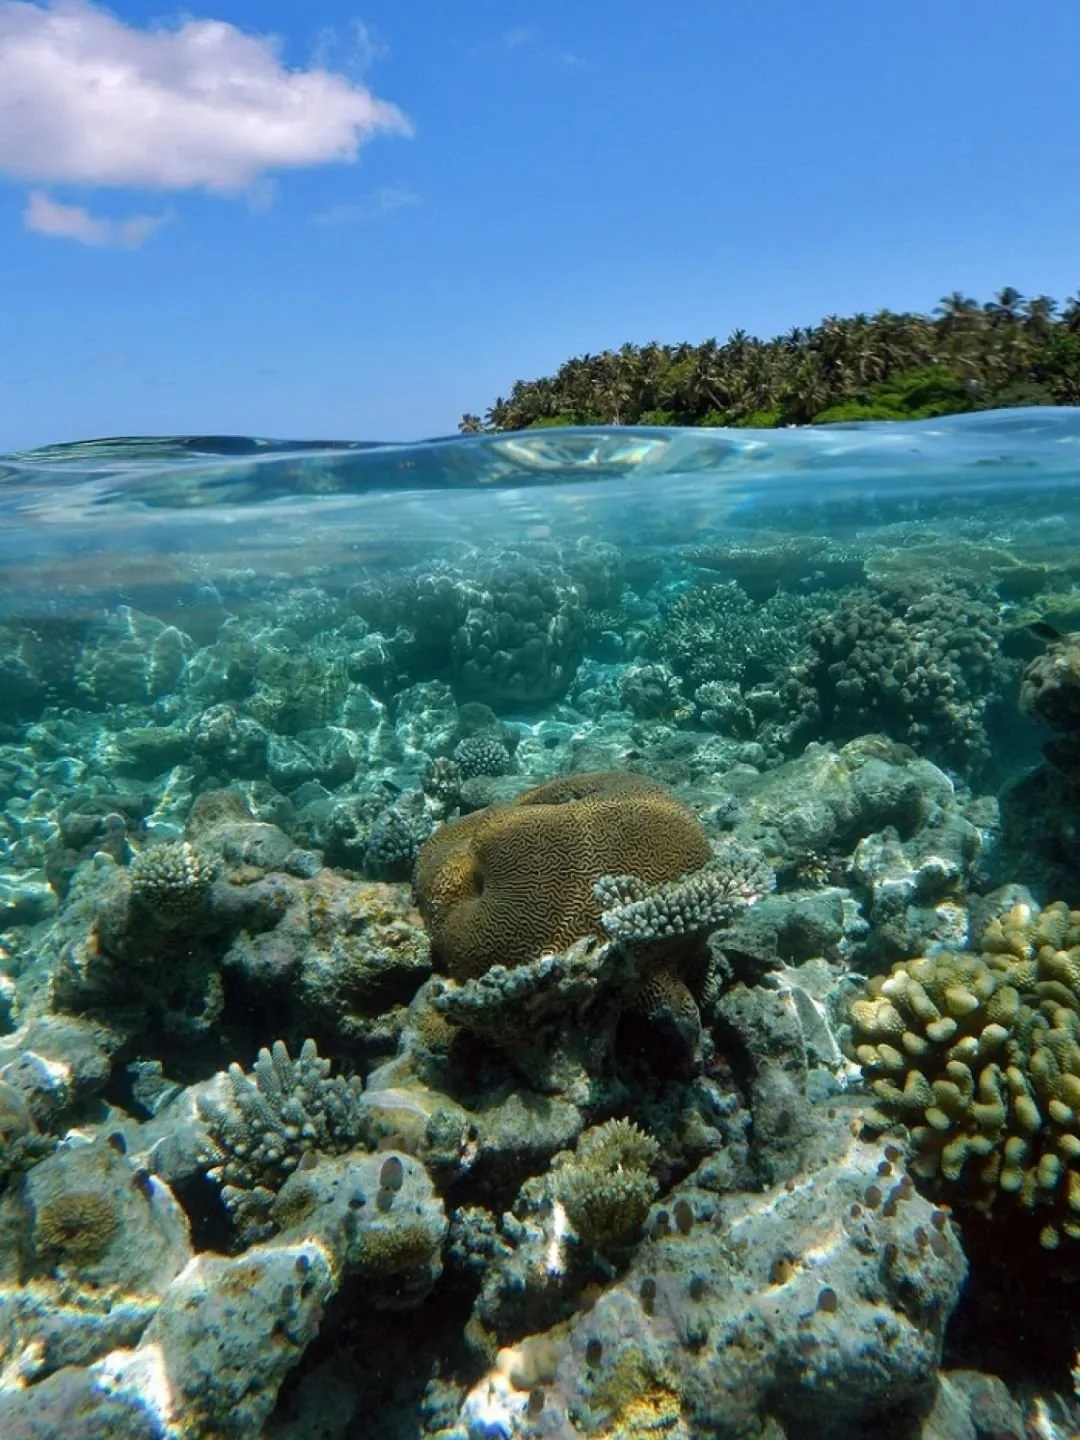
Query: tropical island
[888,366]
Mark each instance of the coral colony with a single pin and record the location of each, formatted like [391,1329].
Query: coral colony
[561,992]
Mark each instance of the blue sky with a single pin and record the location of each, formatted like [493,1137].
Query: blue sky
[407,204]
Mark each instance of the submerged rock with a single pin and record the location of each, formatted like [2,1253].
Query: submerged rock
[823,1306]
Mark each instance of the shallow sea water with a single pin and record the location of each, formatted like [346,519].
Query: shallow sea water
[847,650]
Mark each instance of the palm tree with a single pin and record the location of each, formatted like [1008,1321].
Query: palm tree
[958,307]
[704,387]
[1070,314]
[1009,344]
[1003,309]
[1039,316]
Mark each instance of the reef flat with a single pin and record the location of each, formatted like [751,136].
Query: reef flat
[569,990]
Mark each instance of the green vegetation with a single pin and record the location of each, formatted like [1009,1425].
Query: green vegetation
[966,356]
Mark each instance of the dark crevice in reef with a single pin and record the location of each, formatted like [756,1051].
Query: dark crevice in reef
[1019,1313]
[206,1213]
[388,1358]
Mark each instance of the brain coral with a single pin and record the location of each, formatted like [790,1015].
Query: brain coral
[504,885]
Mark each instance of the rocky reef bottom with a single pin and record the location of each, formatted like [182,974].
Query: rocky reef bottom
[643,1110]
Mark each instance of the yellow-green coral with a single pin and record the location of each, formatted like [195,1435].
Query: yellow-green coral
[391,1249]
[76,1227]
[979,1055]
[606,1189]
[632,1399]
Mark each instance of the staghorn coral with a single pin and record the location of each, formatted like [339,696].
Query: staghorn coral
[606,1188]
[507,884]
[259,1134]
[717,633]
[638,913]
[979,1055]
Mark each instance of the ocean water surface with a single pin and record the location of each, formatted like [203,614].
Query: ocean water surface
[563,933]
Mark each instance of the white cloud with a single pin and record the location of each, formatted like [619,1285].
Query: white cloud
[87,99]
[527,38]
[74,222]
[354,50]
[519,35]
[371,207]
[393,197]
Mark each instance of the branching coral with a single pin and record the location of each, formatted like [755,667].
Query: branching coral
[1050,685]
[396,835]
[716,632]
[481,755]
[259,1134]
[172,879]
[979,1055]
[637,912]
[606,1188]
[651,692]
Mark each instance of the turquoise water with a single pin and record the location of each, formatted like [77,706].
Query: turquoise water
[74,514]
[243,683]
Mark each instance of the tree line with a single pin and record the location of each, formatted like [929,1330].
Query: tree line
[886,366]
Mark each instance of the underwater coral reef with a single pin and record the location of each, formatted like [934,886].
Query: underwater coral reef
[552,992]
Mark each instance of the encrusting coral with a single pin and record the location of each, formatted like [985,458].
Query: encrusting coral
[979,1055]
[507,884]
